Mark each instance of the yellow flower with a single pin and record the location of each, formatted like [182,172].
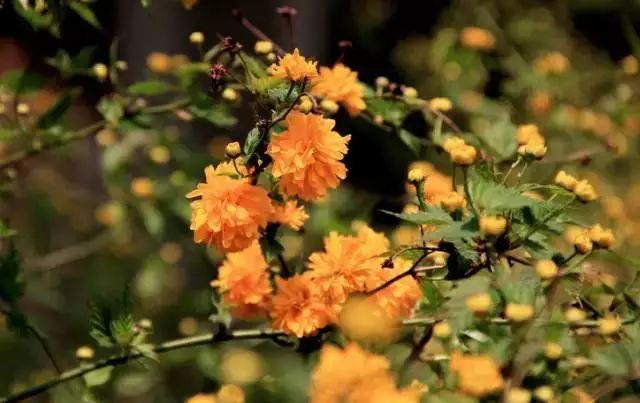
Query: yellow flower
[442,330]
[478,375]
[553,351]
[464,155]
[230,95]
[294,67]
[290,214]
[348,263]
[340,84]
[440,104]
[603,238]
[582,242]
[243,281]
[528,133]
[160,154]
[85,353]
[229,212]
[307,156]
[552,63]
[566,181]
[519,312]
[535,149]
[416,175]
[585,191]
[453,201]
[493,225]
[452,143]
[299,306]
[574,315]
[477,38]
[159,62]
[230,394]
[546,269]
[479,304]
[609,325]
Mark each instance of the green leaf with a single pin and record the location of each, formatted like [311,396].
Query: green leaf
[6,231]
[98,377]
[218,114]
[433,215]
[100,322]
[393,111]
[254,68]
[252,141]
[123,329]
[111,110]
[500,139]
[148,88]
[491,197]
[19,82]
[86,13]
[147,351]
[152,218]
[36,19]
[519,285]
[56,112]
[412,142]
[12,286]
[454,230]
[614,359]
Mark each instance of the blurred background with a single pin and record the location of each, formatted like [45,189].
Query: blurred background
[105,214]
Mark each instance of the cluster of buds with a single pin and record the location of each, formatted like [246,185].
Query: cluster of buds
[581,188]
[530,142]
[459,151]
[596,236]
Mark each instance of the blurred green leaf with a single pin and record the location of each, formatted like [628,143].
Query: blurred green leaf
[99,377]
[12,285]
[152,218]
[500,139]
[151,87]
[433,215]
[412,142]
[252,141]
[19,82]
[393,111]
[111,110]
[56,112]
[85,12]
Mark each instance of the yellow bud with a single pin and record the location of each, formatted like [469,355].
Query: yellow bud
[566,181]
[553,351]
[544,393]
[263,47]
[329,106]
[230,95]
[106,137]
[546,269]
[122,65]
[101,71]
[518,395]
[442,330]
[573,315]
[410,92]
[109,214]
[230,394]
[440,104]
[536,149]
[159,154]
[438,258]
[85,353]
[609,325]
[271,57]
[416,176]
[197,38]
[493,225]
[142,187]
[382,82]
[583,243]
[528,133]
[202,397]
[603,238]
[519,312]
[233,150]
[23,109]
[464,155]
[453,201]
[145,324]
[159,62]
[410,209]
[479,304]
[305,105]
[585,191]
[453,142]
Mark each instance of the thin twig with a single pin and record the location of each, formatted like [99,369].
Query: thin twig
[68,255]
[77,372]
[409,272]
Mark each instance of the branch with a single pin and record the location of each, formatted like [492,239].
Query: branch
[69,254]
[205,339]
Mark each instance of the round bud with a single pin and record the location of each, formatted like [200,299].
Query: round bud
[329,106]
[518,395]
[122,65]
[609,325]
[585,191]
[271,57]
[544,393]
[233,150]
[519,312]
[464,155]
[382,82]
[442,330]
[145,325]
[546,269]
[553,351]
[263,47]
[582,243]
[305,104]
[85,353]
[410,92]
[23,109]
[573,315]
[603,238]
[479,304]
[565,180]
[452,202]
[416,176]
[493,225]
[440,104]
[197,38]
[229,95]
[101,71]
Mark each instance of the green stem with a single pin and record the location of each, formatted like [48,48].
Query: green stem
[468,193]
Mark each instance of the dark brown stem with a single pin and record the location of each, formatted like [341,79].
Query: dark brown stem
[255,31]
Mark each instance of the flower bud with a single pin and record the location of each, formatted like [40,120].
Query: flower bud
[101,71]
[552,351]
[573,315]
[85,353]
[197,38]
[544,393]
[518,395]
[603,238]
[410,92]
[440,104]
[145,325]
[536,149]
[233,150]
[230,394]
[23,109]
[305,105]
[160,154]
[585,191]
[519,312]
[453,142]
[230,95]
[122,65]
[479,304]
[416,176]
[493,225]
[546,269]
[263,47]
[271,57]
[329,106]
[528,133]
[566,181]
[583,243]
[442,330]
[382,82]
[464,155]
[452,202]
[142,187]
[609,325]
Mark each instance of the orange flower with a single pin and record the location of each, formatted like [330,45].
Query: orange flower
[477,38]
[299,308]
[230,212]
[399,299]
[306,156]
[294,67]
[478,375]
[354,375]
[243,279]
[340,84]
[348,263]
[290,214]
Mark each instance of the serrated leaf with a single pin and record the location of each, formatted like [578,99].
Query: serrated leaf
[433,215]
[149,88]
[123,329]
[500,139]
[111,110]
[454,230]
[491,197]
[519,285]
[19,82]
[98,377]
[254,68]
[86,13]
